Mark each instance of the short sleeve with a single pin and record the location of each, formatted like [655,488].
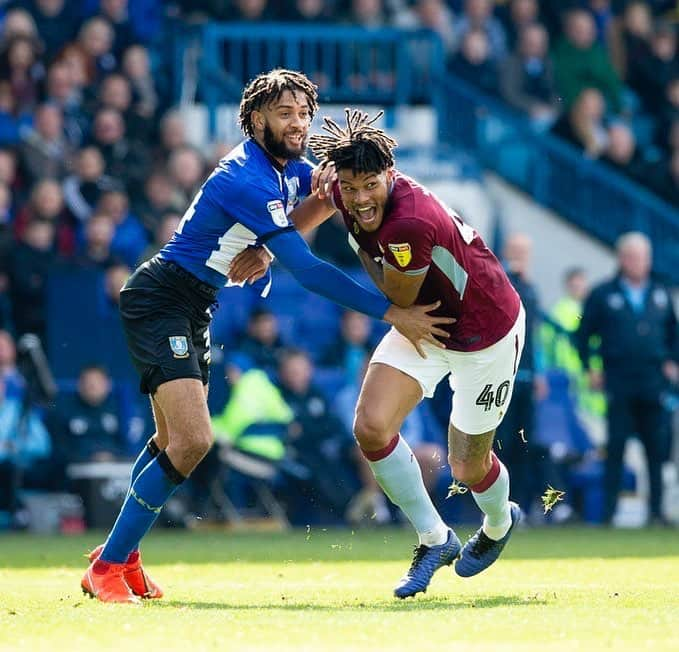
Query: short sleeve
[406,245]
[256,206]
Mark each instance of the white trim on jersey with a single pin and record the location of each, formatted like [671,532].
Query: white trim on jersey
[237,238]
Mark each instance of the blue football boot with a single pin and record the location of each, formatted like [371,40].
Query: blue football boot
[481,551]
[426,561]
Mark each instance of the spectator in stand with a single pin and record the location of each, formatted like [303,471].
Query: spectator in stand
[61,91]
[115,92]
[124,161]
[478,16]
[262,342]
[516,15]
[474,64]
[21,67]
[164,231]
[639,344]
[351,347]
[137,68]
[631,36]
[159,198]
[30,265]
[622,154]
[187,172]
[96,252]
[116,13]
[309,12]
[25,456]
[95,39]
[580,62]
[172,136]
[86,424]
[317,438]
[527,77]
[18,22]
[81,68]
[658,68]
[83,189]
[44,150]
[57,22]
[583,125]
[129,238]
[46,202]
[252,11]
[432,15]
[560,352]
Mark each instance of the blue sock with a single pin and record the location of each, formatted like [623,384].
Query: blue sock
[149,451]
[149,492]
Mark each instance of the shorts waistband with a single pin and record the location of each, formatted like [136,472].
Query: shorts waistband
[192,281]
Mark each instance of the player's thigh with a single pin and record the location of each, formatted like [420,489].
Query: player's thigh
[483,382]
[387,396]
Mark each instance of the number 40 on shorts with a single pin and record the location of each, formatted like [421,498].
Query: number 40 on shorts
[489,397]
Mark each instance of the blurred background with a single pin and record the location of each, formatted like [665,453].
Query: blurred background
[551,126]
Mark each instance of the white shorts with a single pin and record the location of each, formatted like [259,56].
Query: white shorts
[482,381]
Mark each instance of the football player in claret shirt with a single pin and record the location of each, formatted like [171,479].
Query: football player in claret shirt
[417,250]
[166,307]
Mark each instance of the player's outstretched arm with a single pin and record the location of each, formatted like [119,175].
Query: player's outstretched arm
[322,278]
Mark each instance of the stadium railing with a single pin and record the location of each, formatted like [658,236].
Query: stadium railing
[600,201]
[358,66]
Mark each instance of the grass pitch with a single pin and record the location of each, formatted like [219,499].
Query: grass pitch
[572,589]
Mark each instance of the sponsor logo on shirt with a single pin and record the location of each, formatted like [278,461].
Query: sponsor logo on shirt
[179,346]
[402,252]
[277,212]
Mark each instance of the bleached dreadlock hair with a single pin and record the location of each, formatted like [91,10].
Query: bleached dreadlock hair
[358,146]
[268,87]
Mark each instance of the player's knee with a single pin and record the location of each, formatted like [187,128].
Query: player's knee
[371,431]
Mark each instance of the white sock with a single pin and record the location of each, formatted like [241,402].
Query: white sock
[400,477]
[494,503]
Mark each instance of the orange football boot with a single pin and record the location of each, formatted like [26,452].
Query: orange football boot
[105,582]
[135,575]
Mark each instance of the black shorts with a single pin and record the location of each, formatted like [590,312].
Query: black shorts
[166,315]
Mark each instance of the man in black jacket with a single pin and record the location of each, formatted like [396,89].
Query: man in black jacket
[635,319]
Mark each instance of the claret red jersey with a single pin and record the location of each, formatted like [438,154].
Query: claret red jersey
[420,234]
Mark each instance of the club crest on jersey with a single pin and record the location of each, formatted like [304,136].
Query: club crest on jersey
[402,252]
[179,346]
[277,212]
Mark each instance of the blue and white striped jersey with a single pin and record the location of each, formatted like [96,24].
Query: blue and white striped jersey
[246,199]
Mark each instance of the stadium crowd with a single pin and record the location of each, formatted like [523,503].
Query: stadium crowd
[96,170]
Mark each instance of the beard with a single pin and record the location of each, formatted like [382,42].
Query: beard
[278,148]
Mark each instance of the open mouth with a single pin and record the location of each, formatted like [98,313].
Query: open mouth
[296,140]
[366,215]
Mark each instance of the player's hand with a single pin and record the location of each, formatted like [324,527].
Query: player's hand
[417,325]
[249,265]
[322,179]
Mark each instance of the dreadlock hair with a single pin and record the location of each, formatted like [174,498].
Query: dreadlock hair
[358,146]
[267,88]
